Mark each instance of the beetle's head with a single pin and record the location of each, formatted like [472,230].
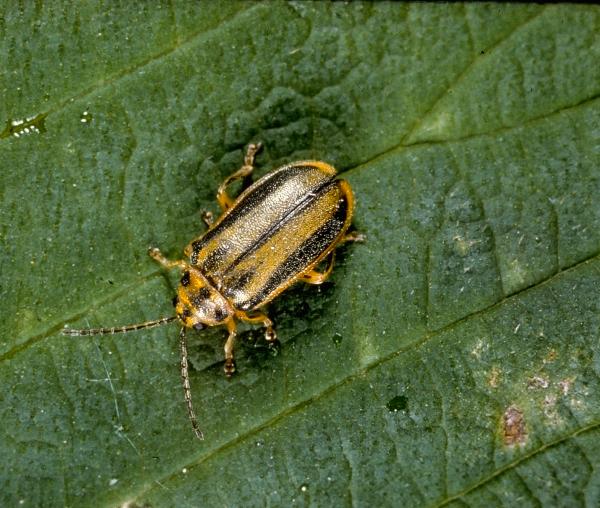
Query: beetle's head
[198,304]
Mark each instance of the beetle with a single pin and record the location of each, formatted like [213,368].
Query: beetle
[275,233]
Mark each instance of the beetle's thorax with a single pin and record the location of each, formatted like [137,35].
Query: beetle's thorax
[198,303]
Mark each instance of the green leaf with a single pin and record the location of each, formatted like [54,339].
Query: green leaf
[453,359]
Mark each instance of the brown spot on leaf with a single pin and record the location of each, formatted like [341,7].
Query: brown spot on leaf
[551,356]
[514,428]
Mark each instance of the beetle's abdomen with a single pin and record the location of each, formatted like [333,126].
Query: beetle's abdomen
[277,229]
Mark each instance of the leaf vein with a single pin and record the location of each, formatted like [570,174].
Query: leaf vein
[400,146]
[462,74]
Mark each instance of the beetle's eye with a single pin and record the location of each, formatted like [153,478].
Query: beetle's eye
[199,326]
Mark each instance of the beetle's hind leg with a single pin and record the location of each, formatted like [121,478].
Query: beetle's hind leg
[222,197]
[314,277]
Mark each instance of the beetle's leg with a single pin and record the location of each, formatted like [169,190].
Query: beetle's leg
[314,277]
[353,236]
[222,197]
[156,254]
[270,333]
[207,218]
[229,361]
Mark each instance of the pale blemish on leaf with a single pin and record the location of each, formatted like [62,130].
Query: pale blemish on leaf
[462,246]
[565,385]
[367,352]
[516,275]
[537,382]
[436,126]
[480,347]
[551,412]
[494,377]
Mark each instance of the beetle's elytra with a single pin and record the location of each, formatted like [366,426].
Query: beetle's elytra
[275,233]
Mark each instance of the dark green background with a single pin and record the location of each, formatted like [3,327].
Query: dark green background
[471,137]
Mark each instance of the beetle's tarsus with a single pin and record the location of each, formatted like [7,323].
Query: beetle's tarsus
[251,151]
[229,361]
[208,218]
[229,367]
[314,277]
[354,236]
[259,317]
[270,334]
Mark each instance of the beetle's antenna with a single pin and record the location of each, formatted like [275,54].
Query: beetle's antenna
[118,329]
[185,378]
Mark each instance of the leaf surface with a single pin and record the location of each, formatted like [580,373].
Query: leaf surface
[453,358]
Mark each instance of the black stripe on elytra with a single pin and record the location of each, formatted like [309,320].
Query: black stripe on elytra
[248,205]
[212,261]
[302,205]
[303,256]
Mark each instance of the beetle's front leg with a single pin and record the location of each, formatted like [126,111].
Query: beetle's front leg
[222,197]
[156,254]
[229,361]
